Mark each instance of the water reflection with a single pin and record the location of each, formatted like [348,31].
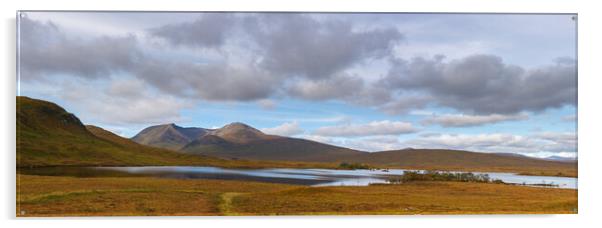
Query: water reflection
[319,177]
[312,177]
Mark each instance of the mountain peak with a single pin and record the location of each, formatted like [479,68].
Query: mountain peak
[174,137]
[240,133]
[170,126]
[237,125]
[169,136]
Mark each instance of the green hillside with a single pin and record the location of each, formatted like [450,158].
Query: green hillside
[47,135]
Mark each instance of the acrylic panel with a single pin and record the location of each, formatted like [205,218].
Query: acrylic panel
[295,113]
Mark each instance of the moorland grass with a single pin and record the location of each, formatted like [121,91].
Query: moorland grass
[423,197]
[71,196]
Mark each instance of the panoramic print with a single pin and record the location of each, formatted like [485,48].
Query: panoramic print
[263,113]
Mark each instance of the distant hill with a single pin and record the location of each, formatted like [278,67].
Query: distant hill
[465,160]
[561,159]
[511,155]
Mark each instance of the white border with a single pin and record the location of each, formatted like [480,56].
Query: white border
[588,107]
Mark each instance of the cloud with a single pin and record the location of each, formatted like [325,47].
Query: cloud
[272,55]
[550,142]
[471,120]
[217,82]
[299,45]
[286,129]
[306,57]
[570,118]
[404,104]
[267,104]
[123,101]
[364,143]
[484,84]
[339,86]
[562,141]
[479,142]
[209,30]
[252,57]
[373,143]
[429,134]
[45,49]
[384,127]
[538,145]
[126,88]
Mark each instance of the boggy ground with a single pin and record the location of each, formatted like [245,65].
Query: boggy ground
[123,196]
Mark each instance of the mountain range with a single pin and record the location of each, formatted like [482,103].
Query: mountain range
[241,141]
[48,135]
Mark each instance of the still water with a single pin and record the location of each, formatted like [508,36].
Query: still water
[312,177]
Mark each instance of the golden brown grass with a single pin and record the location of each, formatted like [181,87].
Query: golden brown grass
[411,198]
[70,196]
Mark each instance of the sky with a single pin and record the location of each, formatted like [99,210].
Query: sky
[498,83]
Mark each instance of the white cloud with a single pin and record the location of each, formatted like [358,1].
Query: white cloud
[452,120]
[550,142]
[452,50]
[421,112]
[266,104]
[122,102]
[366,143]
[285,129]
[536,145]
[373,143]
[384,127]
[558,141]
[569,118]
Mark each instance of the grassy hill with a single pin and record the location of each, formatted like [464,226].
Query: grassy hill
[48,135]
